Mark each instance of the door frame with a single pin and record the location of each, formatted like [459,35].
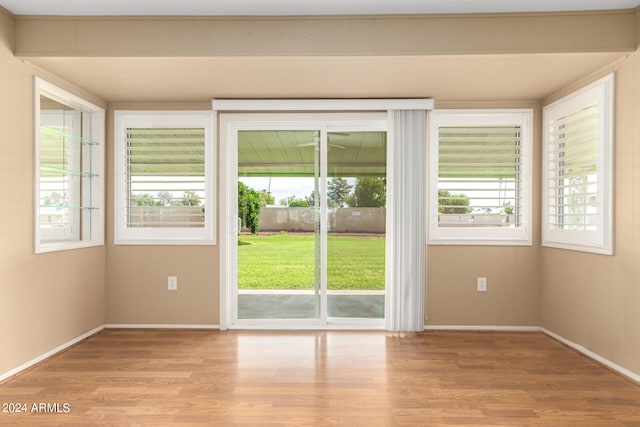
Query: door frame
[228,126]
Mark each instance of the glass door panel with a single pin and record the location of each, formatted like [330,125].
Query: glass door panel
[356,198]
[279,249]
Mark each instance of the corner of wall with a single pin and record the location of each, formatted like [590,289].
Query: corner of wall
[637,12]
[7,31]
[590,299]
[46,300]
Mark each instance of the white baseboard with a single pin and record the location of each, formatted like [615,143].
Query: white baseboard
[157,326]
[481,328]
[594,356]
[48,354]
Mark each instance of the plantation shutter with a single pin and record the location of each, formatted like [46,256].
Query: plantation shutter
[572,157]
[479,171]
[165,177]
[577,201]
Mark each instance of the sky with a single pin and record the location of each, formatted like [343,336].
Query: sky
[281,187]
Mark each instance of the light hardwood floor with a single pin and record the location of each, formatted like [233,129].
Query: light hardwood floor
[142,377]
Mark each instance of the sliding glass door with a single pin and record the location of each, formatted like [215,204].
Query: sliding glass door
[279,241]
[309,228]
[356,223]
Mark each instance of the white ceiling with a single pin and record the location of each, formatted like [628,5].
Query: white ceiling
[301,7]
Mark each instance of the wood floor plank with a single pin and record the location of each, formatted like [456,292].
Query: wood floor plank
[316,378]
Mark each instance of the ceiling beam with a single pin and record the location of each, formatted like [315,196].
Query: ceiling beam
[167,37]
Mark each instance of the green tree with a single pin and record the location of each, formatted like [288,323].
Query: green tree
[165,199]
[299,203]
[369,192]
[452,203]
[248,207]
[266,198]
[145,199]
[311,199]
[338,190]
[190,198]
[293,202]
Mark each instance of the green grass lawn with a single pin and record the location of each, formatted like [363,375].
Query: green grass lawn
[284,261]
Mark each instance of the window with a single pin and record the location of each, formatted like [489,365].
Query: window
[577,175]
[164,177]
[69,158]
[480,177]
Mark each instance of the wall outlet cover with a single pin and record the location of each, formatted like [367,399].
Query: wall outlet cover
[481,284]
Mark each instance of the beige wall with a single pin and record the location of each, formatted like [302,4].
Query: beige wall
[47,299]
[512,272]
[137,274]
[594,300]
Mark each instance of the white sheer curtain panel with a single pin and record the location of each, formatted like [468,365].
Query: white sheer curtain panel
[406,221]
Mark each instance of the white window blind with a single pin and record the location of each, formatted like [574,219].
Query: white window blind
[577,204]
[480,180]
[164,184]
[165,177]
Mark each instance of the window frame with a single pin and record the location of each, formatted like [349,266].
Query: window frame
[92,162]
[124,235]
[602,93]
[517,236]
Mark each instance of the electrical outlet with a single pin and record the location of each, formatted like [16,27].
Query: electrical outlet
[481,284]
[172,283]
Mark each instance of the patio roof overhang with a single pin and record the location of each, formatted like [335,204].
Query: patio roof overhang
[295,153]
